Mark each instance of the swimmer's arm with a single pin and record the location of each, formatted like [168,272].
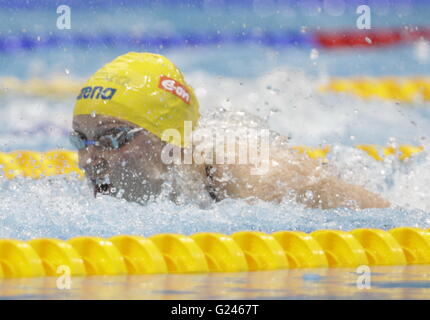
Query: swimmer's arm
[300,181]
[332,192]
[292,174]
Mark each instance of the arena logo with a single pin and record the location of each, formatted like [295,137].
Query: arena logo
[96,93]
[175,87]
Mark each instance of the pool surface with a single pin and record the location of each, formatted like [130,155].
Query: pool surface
[241,75]
[410,282]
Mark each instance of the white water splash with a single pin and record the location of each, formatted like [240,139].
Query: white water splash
[285,101]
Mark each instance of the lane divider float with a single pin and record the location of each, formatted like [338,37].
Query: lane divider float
[153,41]
[410,90]
[34,164]
[58,87]
[402,89]
[349,38]
[370,38]
[214,252]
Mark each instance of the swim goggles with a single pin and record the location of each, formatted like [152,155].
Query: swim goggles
[108,141]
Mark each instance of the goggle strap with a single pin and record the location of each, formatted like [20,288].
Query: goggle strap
[82,143]
[133,131]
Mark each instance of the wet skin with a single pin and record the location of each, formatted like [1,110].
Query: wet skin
[133,172]
[136,171]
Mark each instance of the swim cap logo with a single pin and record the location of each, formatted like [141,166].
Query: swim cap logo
[175,87]
[90,93]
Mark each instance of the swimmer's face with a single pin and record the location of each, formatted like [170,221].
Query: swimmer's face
[133,171]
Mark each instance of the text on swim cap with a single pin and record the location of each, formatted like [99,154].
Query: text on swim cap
[96,93]
[175,87]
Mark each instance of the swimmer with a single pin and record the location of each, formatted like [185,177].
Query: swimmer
[137,110]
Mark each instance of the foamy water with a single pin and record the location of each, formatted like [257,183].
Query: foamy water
[286,101]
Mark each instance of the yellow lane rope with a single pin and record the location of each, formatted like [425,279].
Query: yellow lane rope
[35,164]
[402,89]
[398,89]
[213,252]
[59,87]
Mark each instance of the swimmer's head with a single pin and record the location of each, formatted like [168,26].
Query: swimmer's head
[120,119]
[145,89]
[118,157]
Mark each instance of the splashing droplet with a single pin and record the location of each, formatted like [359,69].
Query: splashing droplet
[314,54]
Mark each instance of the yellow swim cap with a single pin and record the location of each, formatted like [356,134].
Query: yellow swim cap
[143,88]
